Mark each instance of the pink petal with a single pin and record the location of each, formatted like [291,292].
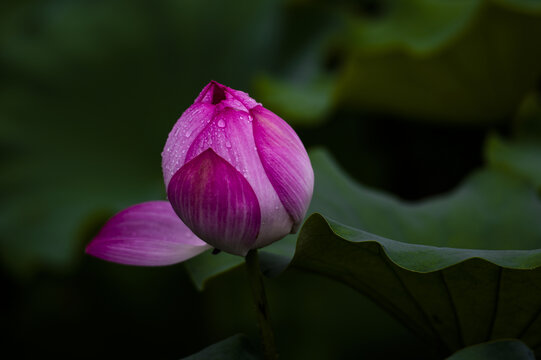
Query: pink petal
[212,99]
[147,234]
[230,135]
[186,129]
[216,202]
[285,161]
[243,97]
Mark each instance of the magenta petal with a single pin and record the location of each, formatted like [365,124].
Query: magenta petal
[243,97]
[185,130]
[147,234]
[213,98]
[231,137]
[216,202]
[285,161]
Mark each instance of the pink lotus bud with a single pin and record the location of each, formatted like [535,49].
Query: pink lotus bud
[236,174]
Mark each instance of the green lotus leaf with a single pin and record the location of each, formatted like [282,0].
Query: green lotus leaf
[463,61]
[495,350]
[300,91]
[207,265]
[433,275]
[414,26]
[485,211]
[304,104]
[527,123]
[518,157]
[451,297]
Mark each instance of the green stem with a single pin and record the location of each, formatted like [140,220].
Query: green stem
[255,278]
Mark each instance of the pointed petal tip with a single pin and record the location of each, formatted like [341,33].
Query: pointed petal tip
[213,93]
[237,99]
[216,83]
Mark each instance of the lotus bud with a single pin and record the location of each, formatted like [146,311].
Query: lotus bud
[236,174]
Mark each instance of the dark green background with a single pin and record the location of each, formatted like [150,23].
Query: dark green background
[90,90]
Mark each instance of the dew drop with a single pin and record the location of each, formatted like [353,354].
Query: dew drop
[221,123]
[228,144]
[188,133]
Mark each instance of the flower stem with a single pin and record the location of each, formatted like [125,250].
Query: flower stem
[255,278]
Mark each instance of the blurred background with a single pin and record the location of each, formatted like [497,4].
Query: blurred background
[402,93]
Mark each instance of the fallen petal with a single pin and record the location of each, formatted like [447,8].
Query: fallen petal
[216,202]
[146,234]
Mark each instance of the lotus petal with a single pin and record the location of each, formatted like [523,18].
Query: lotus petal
[285,161]
[146,234]
[216,202]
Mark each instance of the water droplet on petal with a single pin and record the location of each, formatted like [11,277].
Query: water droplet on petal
[188,133]
[221,123]
[228,144]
